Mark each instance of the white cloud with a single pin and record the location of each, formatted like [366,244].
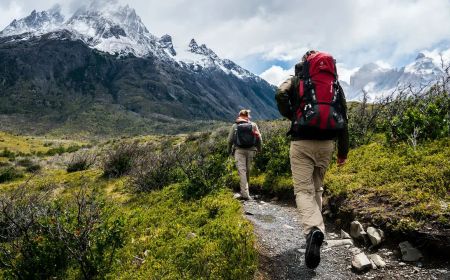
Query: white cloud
[355,32]
[345,73]
[275,75]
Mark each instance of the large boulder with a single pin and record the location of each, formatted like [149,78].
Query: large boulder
[357,230]
[375,235]
[361,263]
[409,253]
[377,260]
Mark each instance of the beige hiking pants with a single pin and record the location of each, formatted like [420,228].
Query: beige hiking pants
[309,161]
[244,159]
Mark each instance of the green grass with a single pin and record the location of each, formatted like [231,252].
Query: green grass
[166,236]
[411,185]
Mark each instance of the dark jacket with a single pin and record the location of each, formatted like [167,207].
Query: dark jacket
[287,99]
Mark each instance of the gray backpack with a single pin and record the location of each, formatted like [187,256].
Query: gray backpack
[244,136]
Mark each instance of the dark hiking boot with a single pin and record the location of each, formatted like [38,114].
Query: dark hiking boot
[314,240]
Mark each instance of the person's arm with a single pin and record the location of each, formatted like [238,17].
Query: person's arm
[283,98]
[230,139]
[259,138]
[343,137]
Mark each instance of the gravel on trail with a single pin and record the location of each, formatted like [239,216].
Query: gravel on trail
[281,247]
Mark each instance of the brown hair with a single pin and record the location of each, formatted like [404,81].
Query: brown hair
[244,113]
[308,53]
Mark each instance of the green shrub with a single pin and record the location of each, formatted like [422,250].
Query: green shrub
[44,240]
[421,118]
[9,173]
[35,167]
[30,165]
[204,167]
[81,161]
[154,170]
[26,162]
[56,151]
[7,154]
[120,160]
[72,149]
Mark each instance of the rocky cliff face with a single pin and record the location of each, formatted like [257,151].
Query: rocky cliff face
[104,63]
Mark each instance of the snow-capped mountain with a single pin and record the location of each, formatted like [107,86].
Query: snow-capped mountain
[379,80]
[36,23]
[115,29]
[102,71]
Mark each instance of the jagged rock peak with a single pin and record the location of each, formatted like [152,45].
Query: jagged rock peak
[193,44]
[166,42]
[202,49]
[37,21]
[420,56]
[166,39]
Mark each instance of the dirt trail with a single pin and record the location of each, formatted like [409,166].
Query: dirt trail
[281,244]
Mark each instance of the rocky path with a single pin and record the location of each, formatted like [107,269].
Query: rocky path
[281,248]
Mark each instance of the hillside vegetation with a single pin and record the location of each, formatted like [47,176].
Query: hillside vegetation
[138,210]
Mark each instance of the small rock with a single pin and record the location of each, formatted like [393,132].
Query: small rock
[339,242]
[409,253]
[401,264]
[138,261]
[374,266]
[237,195]
[355,251]
[375,235]
[356,230]
[274,199]
[377,260]
[287,226]
[191,235]
[360,262]
[302,250]
[345,235]
[348,246]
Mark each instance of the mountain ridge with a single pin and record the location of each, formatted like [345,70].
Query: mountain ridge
[54,75]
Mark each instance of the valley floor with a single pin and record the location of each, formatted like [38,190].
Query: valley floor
[281,247]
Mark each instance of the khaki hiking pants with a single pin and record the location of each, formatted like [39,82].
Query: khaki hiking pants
[309,161]
[244,159]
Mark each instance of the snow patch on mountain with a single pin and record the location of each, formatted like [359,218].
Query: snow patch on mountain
[36,22]
[118,30]
[200,56]
[379,80]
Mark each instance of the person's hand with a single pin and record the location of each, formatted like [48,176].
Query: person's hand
[341,161]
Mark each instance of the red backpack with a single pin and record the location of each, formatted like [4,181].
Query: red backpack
[318,91]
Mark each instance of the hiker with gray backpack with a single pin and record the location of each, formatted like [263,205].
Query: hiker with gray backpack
[244,140]
[315,103]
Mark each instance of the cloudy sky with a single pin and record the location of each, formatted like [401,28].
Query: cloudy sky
[268,36]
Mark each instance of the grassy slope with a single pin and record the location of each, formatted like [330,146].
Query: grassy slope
[31,144]
[176,239]
[406,188]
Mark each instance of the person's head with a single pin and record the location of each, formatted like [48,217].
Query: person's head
[307,54]
[244,113]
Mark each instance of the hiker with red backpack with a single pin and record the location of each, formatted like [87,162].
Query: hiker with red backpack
[244,140]
[315,103]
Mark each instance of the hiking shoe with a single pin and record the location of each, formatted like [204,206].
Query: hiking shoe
[314,240]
